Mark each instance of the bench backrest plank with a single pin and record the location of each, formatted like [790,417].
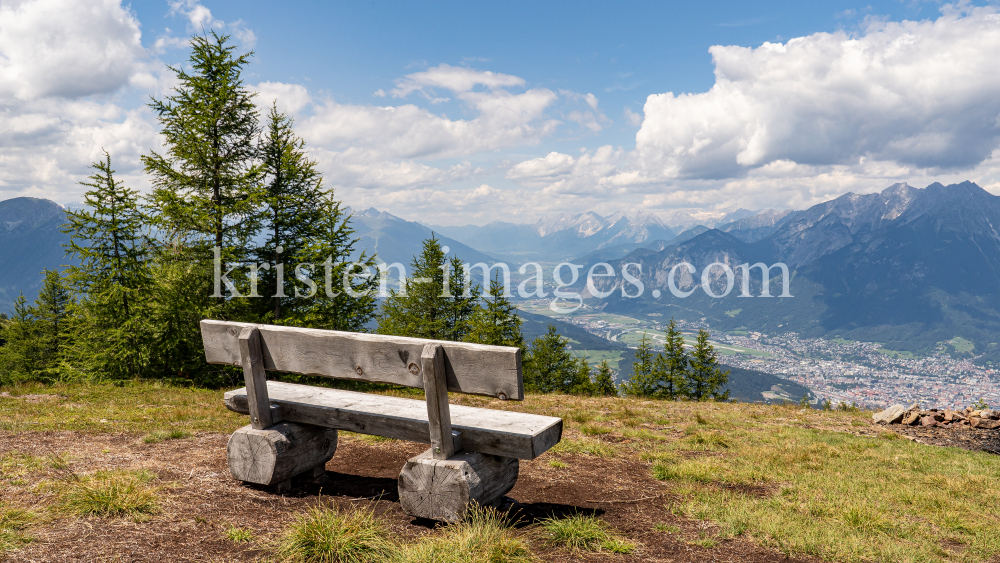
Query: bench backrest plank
[476,369]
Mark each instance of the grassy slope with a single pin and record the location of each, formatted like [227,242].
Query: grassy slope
[805,482]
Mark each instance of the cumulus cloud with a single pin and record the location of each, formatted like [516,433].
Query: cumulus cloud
[61,63]
[922,94]
[64,48]
[791,124]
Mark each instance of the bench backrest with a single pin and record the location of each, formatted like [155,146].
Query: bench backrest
[476,369]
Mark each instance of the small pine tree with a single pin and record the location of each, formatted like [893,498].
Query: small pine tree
[581,383]
[53,309]
[496,321]
[435,307]
[674,364]
[331,246]
[643,382]
[293,210]
[707,379]
[550,367]
[20,356]
[604,381]
[112,277]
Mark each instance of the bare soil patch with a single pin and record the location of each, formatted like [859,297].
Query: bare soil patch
[199,501]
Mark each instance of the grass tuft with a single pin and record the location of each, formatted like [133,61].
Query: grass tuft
[583,446]
[13,522]
[484,536]
[330,535]
[584,533]
[162,435]
[111,493]
[238,535]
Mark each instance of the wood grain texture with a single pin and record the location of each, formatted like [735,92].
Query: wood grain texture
[436,393]
[504,433]
[442,489]
[275,455]
[477,369]
[255,378]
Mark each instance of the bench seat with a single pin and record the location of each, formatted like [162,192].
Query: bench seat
[503,433]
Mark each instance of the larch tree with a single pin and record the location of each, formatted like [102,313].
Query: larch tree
[207,184]
[706,379]
[604,380]
[112,277]
[346,299]
[550,367]
[292,212]
[495,321]
[643,382]
[433,301]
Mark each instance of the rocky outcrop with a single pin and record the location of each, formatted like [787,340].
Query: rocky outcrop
[987,419]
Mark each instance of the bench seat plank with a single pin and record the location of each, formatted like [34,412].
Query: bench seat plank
[476,369]
[488,431]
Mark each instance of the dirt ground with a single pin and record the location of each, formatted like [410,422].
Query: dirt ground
[199,500]
[963,437]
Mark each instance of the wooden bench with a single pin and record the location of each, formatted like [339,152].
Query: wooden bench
[474,451]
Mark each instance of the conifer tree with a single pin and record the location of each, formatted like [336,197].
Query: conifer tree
[330,248]
[21,355]
[496,321]
[206,186]
[112,278]
[293,219]
[706,379]
[437,306]
[604,381]
[550,366]
[643,382]
[672,365]
[581,383]
[53,308]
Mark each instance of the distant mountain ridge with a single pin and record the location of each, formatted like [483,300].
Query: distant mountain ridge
[30,241]
[908,267]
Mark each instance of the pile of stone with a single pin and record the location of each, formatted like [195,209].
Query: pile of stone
[986,419]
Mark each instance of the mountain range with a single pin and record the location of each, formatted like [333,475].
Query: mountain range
[30,241]
[906,267]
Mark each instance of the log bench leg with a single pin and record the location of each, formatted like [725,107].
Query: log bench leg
[274,455]
[442,489]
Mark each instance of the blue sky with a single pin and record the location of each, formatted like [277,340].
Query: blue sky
[451,111]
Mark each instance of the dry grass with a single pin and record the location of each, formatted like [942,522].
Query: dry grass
[110,493]
[484,536]
[579,532]
[13,523]
[329,535]
[826,484]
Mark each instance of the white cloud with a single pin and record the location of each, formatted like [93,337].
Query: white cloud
[922,94]
[290,98]
[66,48]
[793,124]
[453,78]
[62,63]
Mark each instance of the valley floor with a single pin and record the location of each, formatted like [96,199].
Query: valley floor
[681,481]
